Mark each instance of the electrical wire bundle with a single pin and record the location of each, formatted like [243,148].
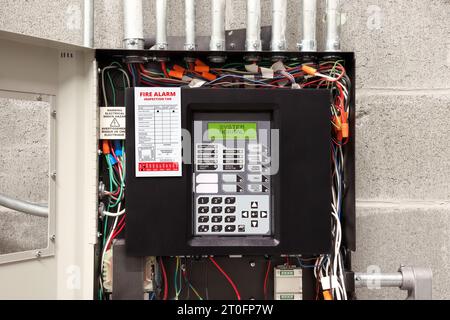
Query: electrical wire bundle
[329,269]
[113,152]
[331,75]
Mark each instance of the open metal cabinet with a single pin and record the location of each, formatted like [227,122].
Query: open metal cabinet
[67,77]
[64,76]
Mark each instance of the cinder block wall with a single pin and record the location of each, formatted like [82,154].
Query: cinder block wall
[403,106]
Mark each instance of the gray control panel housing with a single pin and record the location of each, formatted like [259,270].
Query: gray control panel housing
[232,187]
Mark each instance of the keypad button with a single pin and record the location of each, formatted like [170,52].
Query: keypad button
[230,188]
[255,214]
[255,178]
[245,214]
[230,178]
[204,219]
[230,200]
[241,228]
[254,204]
[230,209]
[203,200]
[216,200]
[230,219]
[216,228]
[256,168]
[255,188]
[263,214]
[254,224]
[217,210]
[203,209]
[230,228]
[217,219]
[203,228]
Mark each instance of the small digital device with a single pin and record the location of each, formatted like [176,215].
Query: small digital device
[253,176]
[232,174]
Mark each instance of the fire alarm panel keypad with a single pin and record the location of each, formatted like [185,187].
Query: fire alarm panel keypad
[231,179]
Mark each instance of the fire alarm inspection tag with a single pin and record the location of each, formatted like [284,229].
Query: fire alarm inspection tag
[112,123]
[157,119]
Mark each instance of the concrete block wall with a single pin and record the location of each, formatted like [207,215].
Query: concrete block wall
[403,112]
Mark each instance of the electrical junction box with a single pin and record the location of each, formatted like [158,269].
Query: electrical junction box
[227,171]
[288,283]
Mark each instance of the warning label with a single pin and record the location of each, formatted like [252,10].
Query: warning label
[158,132]
[112,123]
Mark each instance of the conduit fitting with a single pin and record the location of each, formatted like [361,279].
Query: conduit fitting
[161,25]
[333,20]
[308,42]
[133,25]
[190,43]
[279,14]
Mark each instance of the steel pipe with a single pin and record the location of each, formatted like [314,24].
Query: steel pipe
[253,38]
[88,21]
[381,280]
[308,42]
[333,19]
[24,206]
[190,43]
[161,25]
[133,24]
[279,15]
[217,42]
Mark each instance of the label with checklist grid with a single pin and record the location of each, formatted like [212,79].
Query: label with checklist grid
[158,132]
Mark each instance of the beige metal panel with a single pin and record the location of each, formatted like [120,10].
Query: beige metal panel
[68,72]
[29,280]
[76,175]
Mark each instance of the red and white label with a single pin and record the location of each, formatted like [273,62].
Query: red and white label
[158,166]
[158,132]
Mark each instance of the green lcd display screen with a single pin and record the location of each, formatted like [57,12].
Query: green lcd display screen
[232,130]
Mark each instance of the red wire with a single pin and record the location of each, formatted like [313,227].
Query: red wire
[163,67]
[166,287]
[236,291]
[269,264]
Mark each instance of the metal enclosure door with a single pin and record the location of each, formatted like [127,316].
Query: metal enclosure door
[65,76]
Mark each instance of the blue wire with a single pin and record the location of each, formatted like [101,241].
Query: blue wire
[152,296]
[305,266]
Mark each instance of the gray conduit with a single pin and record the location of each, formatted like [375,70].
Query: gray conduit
[33,209]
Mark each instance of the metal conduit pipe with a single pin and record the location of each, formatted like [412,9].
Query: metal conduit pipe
[279,15]
[133,24]
[24,206]
[253,41]
[161,25]
[308,42]
[88,21]
[333,19]
[190,43]
[217,42]
[383,280]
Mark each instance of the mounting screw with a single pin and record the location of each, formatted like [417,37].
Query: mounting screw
[39,98]
[252,264]
[38,254]
[53,238]
[232,45]
[54,113]
[53,175]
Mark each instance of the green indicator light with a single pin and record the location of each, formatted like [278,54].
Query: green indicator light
[232,131]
